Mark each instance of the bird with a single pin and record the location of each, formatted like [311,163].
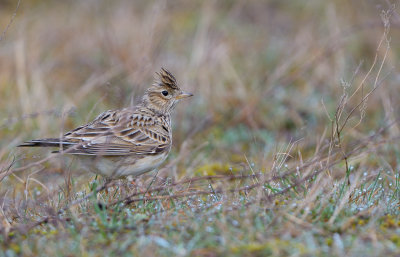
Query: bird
[128,141]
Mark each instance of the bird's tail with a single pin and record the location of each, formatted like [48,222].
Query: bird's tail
[47,142]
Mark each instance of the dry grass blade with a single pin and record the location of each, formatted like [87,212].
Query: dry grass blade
[3,34]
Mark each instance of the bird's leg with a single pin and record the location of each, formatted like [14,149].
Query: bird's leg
[107,182]
[148,187]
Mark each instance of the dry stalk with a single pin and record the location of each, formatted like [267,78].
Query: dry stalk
[3,34]
[337,124]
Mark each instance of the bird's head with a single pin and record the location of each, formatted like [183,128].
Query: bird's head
[164,94]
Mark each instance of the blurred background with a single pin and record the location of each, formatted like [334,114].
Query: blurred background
[264,74]
[295,110]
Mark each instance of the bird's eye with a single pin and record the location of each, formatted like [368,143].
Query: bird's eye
[165,93]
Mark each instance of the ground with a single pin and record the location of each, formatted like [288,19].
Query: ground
[289,147]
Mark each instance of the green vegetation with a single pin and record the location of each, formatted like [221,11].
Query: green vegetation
[290,146]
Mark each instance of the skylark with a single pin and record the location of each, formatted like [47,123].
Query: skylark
[129,141]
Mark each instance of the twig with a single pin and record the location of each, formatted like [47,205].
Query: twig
[3,34]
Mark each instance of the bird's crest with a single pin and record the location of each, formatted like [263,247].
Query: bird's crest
[167,79]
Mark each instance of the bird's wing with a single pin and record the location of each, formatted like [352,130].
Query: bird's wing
[121,132]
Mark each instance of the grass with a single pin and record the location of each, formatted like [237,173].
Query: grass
[289,147]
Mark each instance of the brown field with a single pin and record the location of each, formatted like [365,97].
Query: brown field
[289,147]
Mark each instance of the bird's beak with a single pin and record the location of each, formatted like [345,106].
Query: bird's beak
[184,95]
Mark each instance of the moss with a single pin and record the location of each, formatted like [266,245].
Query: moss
[215,169]
[395,239]
[274,247]
[252,249]
[329,241]
[389,221]
[15,247]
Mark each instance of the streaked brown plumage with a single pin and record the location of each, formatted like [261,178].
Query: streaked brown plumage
[130,141]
